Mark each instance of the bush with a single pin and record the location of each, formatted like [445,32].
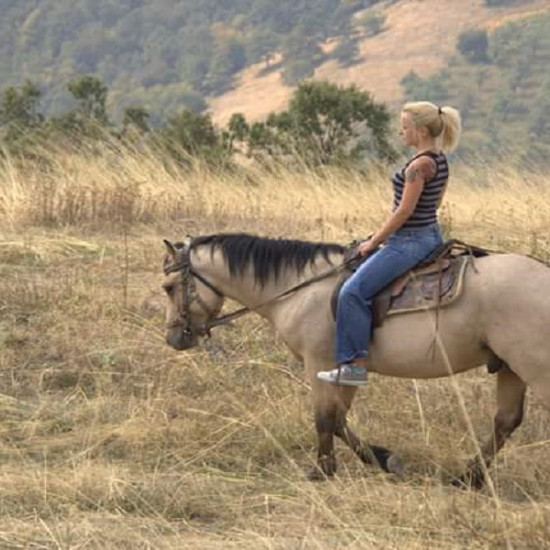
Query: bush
[297,70]
[474,45]
[346,51]
[373,23]
[433,88]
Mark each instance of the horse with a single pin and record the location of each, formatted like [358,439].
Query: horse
[501,319]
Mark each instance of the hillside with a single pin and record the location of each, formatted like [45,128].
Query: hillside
[249,56]
[163,55]
[419,35]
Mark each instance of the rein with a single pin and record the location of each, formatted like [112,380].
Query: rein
[190,293]
[224,319]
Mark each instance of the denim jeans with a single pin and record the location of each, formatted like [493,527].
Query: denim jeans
[403,250]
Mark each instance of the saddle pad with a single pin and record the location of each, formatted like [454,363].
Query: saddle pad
[416,290]
[436,289]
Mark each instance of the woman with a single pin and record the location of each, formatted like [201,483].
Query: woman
[409,234]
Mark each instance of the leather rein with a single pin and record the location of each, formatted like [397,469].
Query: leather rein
[190,294]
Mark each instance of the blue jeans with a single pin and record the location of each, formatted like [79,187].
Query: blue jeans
[403,250]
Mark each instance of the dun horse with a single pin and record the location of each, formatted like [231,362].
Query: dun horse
[501,319]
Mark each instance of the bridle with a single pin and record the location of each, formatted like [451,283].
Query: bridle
[190,295]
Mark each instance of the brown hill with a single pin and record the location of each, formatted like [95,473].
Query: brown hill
[419,35]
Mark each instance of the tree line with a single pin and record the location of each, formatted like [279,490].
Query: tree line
[323,124]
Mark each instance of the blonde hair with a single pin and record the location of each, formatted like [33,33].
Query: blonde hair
[443,123]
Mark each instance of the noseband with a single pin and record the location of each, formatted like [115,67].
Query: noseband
[190,295]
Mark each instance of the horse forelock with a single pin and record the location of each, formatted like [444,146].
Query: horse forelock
[169,258]
[268,257]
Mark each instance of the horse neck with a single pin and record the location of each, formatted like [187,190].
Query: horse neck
[244,289]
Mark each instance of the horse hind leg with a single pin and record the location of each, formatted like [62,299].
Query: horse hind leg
[510,405]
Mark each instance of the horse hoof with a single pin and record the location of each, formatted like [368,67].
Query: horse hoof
[395,465]
[459,483]
[470,480]
[316,474]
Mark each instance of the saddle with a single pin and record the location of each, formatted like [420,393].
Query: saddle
[436,282]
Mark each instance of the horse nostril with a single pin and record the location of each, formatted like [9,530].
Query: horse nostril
[180,340]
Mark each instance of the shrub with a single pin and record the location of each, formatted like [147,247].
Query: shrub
[474,45]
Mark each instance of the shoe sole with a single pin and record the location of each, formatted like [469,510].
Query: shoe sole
[344,382]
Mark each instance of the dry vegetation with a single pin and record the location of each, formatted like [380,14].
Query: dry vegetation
[109,439]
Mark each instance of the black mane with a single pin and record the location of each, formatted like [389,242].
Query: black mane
[267,256]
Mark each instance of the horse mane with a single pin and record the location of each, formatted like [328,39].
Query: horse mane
[267,256]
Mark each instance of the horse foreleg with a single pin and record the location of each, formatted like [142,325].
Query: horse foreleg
[332,404]
[369,454]
[510,400]
[326,416]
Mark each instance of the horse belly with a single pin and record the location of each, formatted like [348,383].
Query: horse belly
[428,344]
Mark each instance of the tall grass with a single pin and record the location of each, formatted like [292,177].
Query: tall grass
[92,189]
[109,439]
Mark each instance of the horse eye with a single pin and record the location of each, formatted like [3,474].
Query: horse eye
[169,289]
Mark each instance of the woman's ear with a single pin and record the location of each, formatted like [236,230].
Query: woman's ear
[423,132]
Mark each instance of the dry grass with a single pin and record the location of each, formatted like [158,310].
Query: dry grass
[109,439]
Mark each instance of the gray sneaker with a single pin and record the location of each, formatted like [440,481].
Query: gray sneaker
[346,374]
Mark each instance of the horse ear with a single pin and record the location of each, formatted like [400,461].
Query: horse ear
[169,247]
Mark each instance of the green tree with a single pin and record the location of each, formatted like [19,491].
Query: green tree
[504,44]
[474,45]
[237,130]
[238,126]
[19,106]
[433,88]
[91,96]
[301,54]
[325,124]
[227,58]
[539,121]
[493,3]
[372,23]
[19,115]
[261,45]
[191,135]
[346,51]
[135,119]
[297,70]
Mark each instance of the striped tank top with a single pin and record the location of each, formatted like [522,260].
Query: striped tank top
[425,212]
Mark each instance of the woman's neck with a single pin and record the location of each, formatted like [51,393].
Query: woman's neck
[425,145]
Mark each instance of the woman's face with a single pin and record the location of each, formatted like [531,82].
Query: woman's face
[408,132]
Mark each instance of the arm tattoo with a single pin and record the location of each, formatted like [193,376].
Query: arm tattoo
[424,170]
[412,174]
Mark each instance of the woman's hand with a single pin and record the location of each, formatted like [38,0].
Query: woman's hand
[366,247]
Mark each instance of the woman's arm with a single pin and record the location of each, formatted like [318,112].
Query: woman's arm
[416,175]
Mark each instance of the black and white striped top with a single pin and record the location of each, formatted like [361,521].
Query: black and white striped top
[425,212]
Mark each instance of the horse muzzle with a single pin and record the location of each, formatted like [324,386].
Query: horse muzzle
[181,339]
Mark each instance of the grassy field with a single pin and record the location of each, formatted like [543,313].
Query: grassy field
[110,439]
